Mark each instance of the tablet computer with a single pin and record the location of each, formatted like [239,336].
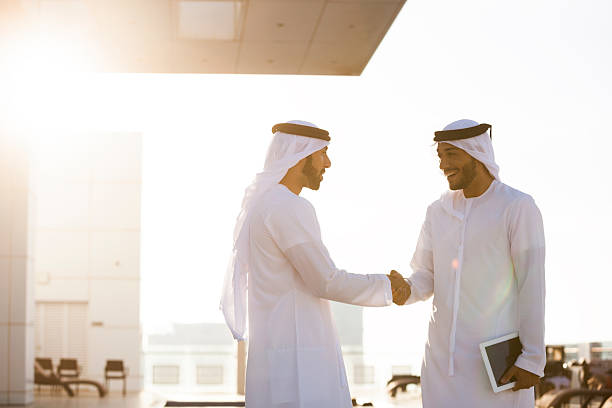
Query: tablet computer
[499,355]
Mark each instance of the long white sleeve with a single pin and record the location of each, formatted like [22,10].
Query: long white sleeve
[321,276]
[528,250]
[296,231]
[422,279]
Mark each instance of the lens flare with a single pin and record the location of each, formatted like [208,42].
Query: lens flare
[497,296]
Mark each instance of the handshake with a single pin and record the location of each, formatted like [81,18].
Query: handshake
[399,287]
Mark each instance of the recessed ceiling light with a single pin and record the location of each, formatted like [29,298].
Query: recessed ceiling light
[209,19]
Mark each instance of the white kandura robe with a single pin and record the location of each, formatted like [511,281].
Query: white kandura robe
[482,258]
[294,358]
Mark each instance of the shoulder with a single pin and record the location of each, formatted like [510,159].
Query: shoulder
[444,202]
[290,220]
[515,200]
[512,195]
[281,205]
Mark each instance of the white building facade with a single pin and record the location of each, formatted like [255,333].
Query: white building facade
[87,241]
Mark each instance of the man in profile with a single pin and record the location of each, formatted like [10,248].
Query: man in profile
[481,255]
[294,358]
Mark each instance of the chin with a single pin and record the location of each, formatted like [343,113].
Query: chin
[313,183]
[456,184]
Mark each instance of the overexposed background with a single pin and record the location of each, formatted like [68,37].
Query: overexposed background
[537,71]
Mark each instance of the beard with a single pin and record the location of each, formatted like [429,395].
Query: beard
[313,177]
[467,174]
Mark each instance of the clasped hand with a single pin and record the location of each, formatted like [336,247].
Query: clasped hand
[524,379]
[399,287]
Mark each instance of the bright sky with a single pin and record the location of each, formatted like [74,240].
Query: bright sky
[538,71]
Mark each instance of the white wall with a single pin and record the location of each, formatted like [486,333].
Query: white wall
[88,241]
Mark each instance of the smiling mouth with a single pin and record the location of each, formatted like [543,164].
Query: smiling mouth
[451,173]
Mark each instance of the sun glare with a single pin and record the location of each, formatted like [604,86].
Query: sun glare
[44,73]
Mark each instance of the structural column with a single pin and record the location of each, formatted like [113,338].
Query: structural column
[16,273]
[242,357]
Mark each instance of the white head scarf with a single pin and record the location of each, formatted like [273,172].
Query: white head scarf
[479,147]
[284,152]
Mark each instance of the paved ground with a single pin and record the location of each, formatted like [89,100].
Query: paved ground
[410,399]
[45,399]
[85,399]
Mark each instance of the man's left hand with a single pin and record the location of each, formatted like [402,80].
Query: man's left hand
[524,379]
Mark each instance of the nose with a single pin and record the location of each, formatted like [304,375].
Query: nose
[442,164]
[327,163]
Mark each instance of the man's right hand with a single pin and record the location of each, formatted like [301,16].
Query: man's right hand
[399,287]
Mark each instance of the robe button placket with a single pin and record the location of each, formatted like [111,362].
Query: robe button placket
[457,269]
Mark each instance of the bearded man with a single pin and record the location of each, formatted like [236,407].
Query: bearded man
[481,255]
[294,358]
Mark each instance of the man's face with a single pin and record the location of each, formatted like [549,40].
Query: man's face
[458,166]
[314,167]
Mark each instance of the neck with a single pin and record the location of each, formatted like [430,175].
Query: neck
[478,186]
[293,185]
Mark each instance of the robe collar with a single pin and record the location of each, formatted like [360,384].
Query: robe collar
[450,198]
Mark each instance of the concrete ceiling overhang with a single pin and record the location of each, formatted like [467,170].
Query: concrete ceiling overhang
[311,37]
